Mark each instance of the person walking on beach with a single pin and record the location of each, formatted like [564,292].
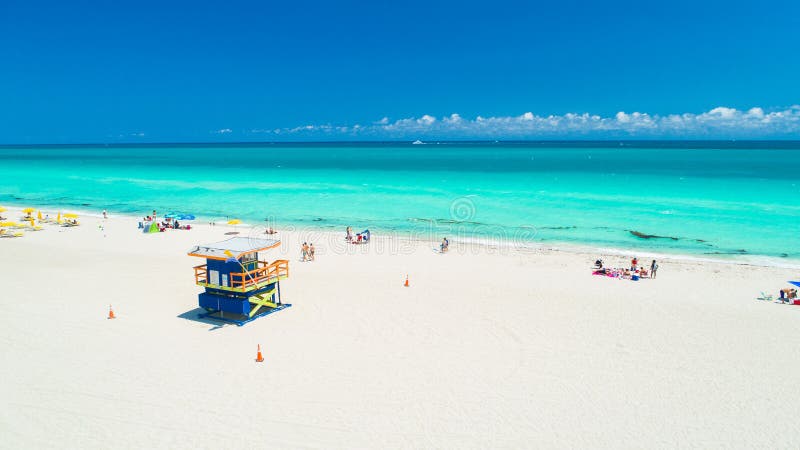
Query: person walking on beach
[105,214]
[311,252]
[305,251]
[653,268]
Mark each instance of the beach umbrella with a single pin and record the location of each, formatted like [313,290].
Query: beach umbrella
[28,210]
[7,224]
[186,217]
[171,215]
[71,216]
[33,224]
[58,219]
[796,283]
[39,215]
[2,209]
[234,222]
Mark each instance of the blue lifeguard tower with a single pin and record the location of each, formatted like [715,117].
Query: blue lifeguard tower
[238,286]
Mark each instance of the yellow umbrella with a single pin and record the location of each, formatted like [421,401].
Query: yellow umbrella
[2,209]
[234,222]
[58,219]
[28,210]
[7,224]
[39,215]
[32,222]
[71,216]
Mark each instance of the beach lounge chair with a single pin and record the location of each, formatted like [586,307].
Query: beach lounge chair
[6,234]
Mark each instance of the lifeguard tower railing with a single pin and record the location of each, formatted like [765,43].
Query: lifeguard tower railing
[264,274]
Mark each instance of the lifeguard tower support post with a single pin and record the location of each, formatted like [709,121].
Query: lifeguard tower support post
[238,286]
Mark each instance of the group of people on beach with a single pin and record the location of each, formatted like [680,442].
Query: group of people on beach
[358,238]
[307,252]
[635,272]
[163,225]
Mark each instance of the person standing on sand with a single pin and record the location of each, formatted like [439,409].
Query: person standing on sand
[653,268]
[634,263]
[105,214]
[311,252]
[305,252]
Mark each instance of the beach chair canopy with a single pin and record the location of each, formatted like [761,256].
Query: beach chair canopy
[238,246]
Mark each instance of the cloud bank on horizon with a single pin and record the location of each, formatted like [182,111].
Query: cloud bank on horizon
[718,123]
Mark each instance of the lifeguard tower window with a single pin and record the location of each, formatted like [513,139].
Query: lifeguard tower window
[249,261]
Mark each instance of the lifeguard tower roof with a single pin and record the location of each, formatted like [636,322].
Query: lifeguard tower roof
[239,246]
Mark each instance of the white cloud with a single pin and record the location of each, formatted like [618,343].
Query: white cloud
[721,123]
[723,112]
[426,120]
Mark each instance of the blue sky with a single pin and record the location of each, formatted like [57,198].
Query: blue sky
[190,71]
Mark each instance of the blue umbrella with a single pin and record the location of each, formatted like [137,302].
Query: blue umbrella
[796,283]
[186,217]
[171,215]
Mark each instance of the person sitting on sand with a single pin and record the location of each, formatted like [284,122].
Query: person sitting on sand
[270,230]
[788,293]
[444,245]
[598,264]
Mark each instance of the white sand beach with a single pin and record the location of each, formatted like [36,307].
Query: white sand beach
[488,348]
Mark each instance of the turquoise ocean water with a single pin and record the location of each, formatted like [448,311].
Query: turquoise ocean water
[722,199]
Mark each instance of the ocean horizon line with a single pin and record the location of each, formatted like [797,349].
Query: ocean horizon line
[722,144]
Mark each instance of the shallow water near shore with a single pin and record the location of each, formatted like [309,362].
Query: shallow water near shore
[694,198]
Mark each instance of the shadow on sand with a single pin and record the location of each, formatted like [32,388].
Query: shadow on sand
[196,315]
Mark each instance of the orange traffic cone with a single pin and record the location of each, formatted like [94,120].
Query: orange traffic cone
[406,283]
[259,358]
[111,313]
